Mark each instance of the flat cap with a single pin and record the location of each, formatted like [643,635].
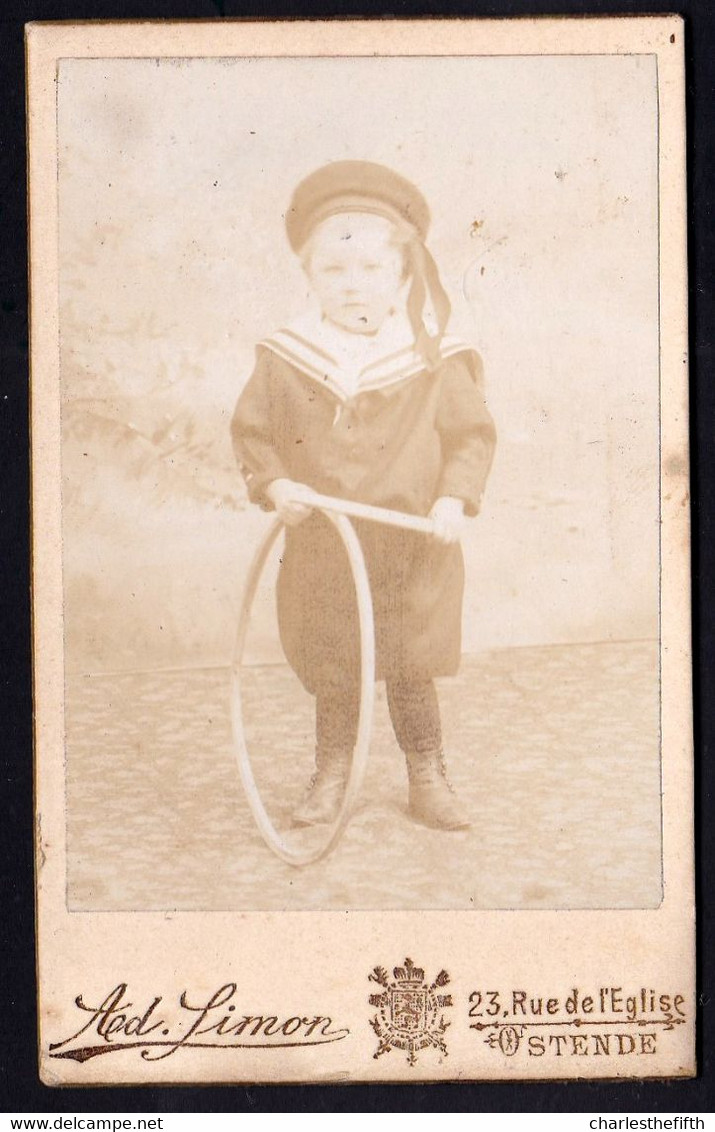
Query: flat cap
[354,186]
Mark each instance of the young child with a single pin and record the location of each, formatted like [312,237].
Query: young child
[360,400]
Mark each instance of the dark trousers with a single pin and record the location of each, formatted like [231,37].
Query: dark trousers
[414,711]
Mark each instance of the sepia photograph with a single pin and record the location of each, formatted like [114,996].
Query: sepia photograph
[361,550]
[425,287]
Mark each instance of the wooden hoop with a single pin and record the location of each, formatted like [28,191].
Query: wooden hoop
[270,834]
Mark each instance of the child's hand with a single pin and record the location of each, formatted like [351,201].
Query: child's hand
[448,518]
[285,495]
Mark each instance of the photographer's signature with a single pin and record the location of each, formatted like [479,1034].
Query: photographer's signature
[159,1030]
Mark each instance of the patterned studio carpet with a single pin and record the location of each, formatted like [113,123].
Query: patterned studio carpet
[554,751]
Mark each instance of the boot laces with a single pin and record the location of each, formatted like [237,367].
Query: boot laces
[443,771]
[323,771]
[421,771]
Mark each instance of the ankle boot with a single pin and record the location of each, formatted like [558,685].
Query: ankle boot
[432,800]
[326,791]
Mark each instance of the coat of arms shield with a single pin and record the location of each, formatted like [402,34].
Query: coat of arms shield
[408,1009]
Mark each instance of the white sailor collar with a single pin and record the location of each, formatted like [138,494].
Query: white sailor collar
[348,364]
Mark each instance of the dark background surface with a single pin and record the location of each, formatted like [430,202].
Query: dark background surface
[21,1089]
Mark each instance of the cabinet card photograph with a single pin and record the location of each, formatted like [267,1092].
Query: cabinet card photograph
[361,550]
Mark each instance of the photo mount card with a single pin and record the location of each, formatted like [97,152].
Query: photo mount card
[361,551]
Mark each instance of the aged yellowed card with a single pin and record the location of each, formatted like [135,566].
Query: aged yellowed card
[361,550]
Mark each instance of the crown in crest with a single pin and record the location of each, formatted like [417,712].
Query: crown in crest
[409,975]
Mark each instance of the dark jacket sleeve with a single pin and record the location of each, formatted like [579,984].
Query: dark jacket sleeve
[255,431]
[466,430]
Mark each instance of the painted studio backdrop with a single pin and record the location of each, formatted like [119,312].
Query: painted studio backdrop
[541,174]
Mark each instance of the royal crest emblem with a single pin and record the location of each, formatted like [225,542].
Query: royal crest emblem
[409,1009]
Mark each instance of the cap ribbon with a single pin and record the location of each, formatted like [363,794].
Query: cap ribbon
[426,281]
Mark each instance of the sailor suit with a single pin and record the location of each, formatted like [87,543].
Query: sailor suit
[363,418]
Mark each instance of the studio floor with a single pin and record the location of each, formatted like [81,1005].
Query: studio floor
[554,752]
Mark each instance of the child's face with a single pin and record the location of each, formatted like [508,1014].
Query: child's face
[356,270]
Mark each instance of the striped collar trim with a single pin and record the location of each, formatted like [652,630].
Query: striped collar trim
[379,376]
